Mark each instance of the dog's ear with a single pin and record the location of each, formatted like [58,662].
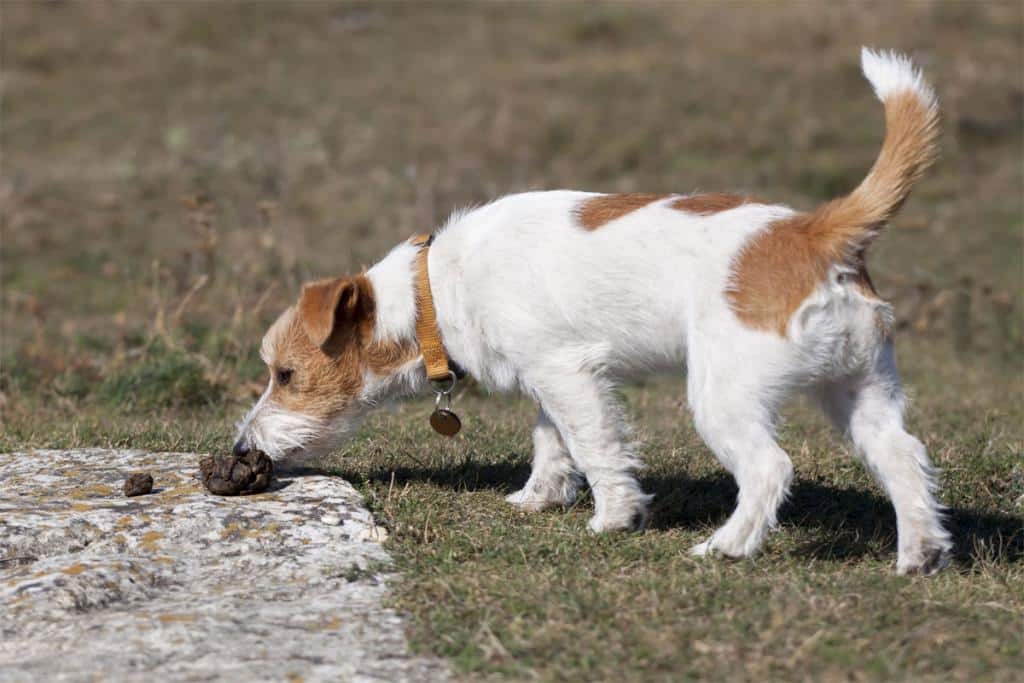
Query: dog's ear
[331,309]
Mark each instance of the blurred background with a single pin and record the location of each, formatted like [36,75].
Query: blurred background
[172,172]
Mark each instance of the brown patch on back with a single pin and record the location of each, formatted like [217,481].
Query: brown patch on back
[781,266]
[710,203]
[776,271]
[598,211]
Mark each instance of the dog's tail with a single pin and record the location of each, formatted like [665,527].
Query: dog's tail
[850,223]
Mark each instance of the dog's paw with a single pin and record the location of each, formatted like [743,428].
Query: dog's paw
[723,547]
[531,500]
[701,549]
[625,508]
[518,497]
[526,500]
[927,562]
[635,520]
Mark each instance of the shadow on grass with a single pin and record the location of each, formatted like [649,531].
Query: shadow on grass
[851,523]
[463,476]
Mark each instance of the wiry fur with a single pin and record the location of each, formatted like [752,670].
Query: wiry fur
[563,294]
[776,271]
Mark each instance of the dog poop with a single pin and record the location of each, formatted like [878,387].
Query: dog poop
[233,475]
[138,484]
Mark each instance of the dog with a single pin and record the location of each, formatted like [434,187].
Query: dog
[563,294]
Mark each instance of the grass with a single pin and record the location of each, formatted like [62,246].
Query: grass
[171,174]
[533,595]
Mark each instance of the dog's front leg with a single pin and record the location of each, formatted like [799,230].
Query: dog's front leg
[553,480]
[583,409]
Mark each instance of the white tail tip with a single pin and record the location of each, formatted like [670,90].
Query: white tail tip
[891,72]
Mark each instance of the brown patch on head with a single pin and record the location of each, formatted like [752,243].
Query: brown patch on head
[383,358]
[597,211]
[326,341]
[710,203]
[330,309]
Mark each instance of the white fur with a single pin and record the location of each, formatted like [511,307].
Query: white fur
[891,73]
[396,313]
[528,300]
[276,431]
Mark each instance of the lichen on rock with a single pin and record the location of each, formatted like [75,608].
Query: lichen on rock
[182,585]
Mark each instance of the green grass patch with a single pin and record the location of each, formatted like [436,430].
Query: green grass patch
[161,378]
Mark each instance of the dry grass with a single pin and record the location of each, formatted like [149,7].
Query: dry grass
[172,172]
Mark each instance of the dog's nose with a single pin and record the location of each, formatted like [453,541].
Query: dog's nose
[241,449]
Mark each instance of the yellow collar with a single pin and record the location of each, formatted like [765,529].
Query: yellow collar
[441,372]
[427,334]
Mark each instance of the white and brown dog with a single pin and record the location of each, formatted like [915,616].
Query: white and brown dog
[562,294]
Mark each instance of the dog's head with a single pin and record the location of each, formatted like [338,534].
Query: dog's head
[325,367]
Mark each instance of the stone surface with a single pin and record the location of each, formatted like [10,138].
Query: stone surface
[182,585]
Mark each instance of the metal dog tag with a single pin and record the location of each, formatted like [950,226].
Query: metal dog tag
[445,422]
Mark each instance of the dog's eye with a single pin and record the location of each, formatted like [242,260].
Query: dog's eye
[284,376]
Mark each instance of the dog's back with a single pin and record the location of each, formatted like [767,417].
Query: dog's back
[561,292]
[634,279]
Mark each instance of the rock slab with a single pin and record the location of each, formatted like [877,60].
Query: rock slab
[180,585]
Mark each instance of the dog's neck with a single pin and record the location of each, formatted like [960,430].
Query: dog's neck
[394,290]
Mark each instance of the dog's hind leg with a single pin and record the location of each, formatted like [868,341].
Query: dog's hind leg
[743,441]
[553,480]
[733,400]
[869,410]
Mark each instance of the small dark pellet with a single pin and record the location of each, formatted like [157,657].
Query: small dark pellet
[138,484]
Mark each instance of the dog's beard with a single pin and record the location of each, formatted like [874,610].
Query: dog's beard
[278,432]
[287,435]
